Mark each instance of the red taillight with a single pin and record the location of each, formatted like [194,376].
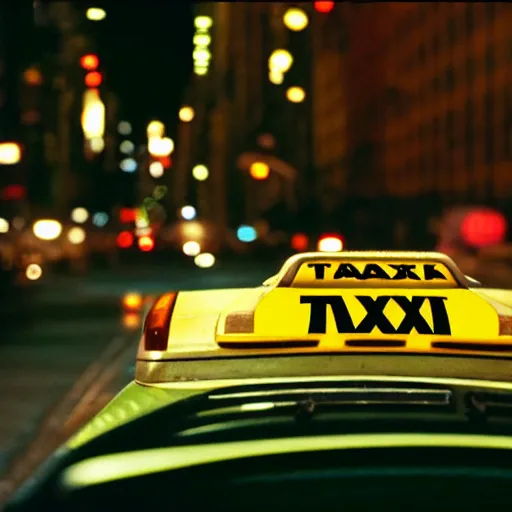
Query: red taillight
[158,320]
[505,325]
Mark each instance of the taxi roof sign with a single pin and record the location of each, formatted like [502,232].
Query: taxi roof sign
[372,269]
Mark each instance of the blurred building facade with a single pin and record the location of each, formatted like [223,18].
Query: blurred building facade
[449,103]
[407,111]
[242,117]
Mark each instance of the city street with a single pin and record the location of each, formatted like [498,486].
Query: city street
[66,348]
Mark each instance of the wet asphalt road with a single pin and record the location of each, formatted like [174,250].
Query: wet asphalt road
[67,336]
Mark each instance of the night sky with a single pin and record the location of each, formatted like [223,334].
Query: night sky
[145,48]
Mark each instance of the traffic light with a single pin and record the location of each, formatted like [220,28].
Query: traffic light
[323,7]
[90,62]
[93,79]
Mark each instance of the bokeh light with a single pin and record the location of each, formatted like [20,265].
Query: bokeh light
[246,234]
[76,235]
[47,229]
[188,212]
[156,169]
[79,215]
[205,260]
[33,272]
[191,248]
[95,14]
[200,172]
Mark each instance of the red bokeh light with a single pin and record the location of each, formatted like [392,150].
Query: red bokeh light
[300,242]
[93,79]
[124,239]
[166,161]
[324,7]
[146,243]
[483,227]
[127,215]
[89,62]
[13,192]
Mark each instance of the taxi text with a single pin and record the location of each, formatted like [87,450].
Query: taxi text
[375,271]
[375,314]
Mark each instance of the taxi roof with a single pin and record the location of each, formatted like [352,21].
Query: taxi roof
[290,268]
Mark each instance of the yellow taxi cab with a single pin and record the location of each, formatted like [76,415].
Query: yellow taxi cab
[232,384]
[319,303]
[322,317]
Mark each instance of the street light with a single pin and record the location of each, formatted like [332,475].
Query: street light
[295,94]
[186,114]
[95,14]
[295,19]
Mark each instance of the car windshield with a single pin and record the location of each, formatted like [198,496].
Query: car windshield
[196,196]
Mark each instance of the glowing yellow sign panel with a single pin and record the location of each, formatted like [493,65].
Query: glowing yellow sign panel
[329,314]
[373,274]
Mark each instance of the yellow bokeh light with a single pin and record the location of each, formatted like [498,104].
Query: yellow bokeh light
[4,225]
[205,260]
[296,94]
[191,248]
[79,215]
[10,153]
[202,40]
[259,170]
[295,19]
[186,114]
[76,235]
[200,172]
[155,129]
[33,272]
[280,60]
[276,77]
[47,229]
[95,14]
[131,321]
[156,169]
[203,22]
[160,147]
